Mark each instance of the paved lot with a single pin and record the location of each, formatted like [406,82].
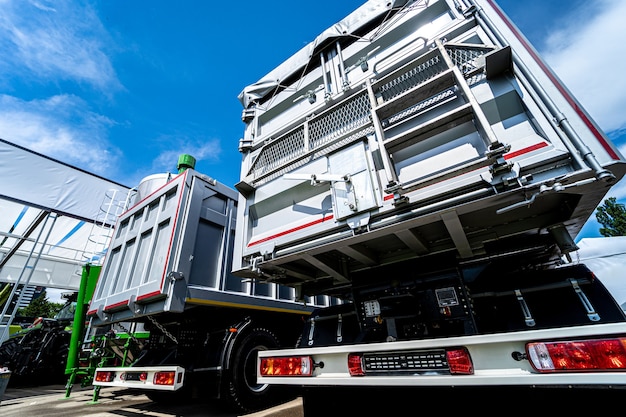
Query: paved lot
[50,401]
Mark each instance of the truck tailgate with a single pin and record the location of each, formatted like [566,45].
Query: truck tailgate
[145,265]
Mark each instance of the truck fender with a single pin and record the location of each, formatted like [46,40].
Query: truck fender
[239,385]
[235,333]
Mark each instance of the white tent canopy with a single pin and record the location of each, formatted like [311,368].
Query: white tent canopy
[54,218]
[606,257]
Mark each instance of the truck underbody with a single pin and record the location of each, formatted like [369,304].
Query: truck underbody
[211,354]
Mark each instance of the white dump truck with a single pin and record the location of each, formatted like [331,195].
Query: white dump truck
[420,161]
[168,268]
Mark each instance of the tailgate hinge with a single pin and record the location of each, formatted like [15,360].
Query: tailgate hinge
[591,312]
[528,319]
[311,330]
[339,337]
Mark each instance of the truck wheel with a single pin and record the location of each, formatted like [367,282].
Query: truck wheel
[243,390]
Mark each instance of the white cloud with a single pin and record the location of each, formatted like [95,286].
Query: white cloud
[54,295]
[587,50]
[59,127]
[206,151]
[200,149]
[589,54]
[54,40]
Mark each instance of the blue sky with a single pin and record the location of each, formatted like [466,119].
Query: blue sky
[121,88]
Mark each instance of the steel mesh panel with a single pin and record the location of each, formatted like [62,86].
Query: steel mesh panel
[339,121]
[368,130]
[476,78]
[319,153]
[282,155]
[418,107]
[279,152]
[283,170]
[467,60]
[411,78]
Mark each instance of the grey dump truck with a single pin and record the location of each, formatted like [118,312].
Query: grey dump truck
[420,161]
[168,269]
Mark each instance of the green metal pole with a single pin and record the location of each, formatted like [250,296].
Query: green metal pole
[85,292]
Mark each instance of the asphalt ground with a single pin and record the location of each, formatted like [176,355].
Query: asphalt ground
[51,401]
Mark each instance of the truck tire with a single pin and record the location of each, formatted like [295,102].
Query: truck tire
[244,392]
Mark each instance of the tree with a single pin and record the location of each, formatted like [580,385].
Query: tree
[41,307]
[612,216]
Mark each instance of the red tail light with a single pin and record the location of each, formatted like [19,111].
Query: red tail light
[164,378]
[287,366]
[104,376]
[355,364]
[578,355]
[460,362]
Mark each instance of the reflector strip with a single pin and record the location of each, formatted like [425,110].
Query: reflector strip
[326,218]
[557,83]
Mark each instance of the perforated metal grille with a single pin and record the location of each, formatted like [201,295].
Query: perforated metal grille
[468,60]
[421,106]
[411,78]
[353,114]
[367,130]
[283,154]
[279,152]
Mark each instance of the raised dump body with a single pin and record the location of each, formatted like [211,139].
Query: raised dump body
[411,129]
[169,267]
[420,160]
[173,250]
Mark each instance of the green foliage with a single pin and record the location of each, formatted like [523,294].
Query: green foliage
[612,217]
[55,308]
[4,293]
[41,307]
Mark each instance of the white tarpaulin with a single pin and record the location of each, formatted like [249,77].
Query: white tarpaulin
[54,218]
[41,182]
[299,60]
